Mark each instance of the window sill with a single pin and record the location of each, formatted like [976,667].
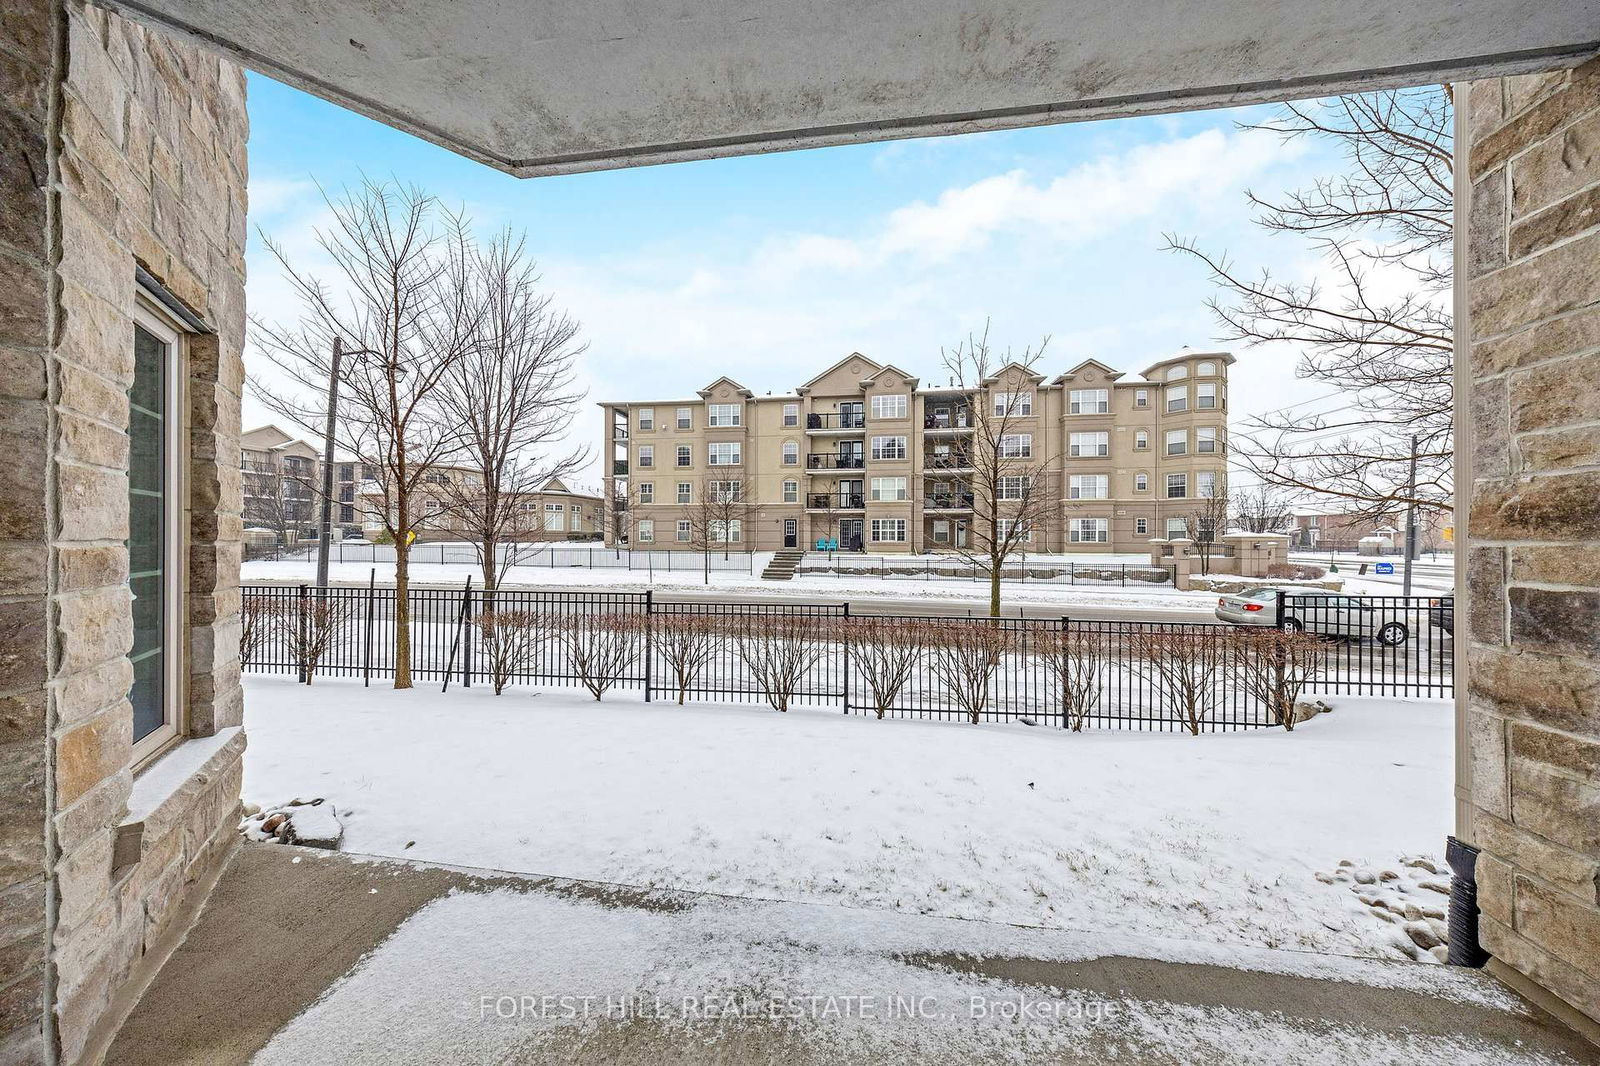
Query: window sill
[164,790]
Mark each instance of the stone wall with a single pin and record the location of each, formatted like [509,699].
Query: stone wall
[1532,615]
[118,149]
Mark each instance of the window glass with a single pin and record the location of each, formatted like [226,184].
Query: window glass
[791,492]
[647,418]
[647,530]
[1205,396]
[1016,446]
[1177,441]
[888,447]
[1089,402]
[889,406]
[725,414]
[1178,399]
[1177,373]
[889,488]
[1081,445]
[1205,439]
[150,529]
[1177,486]
[791,414]
[791,453]
[685,418]
[647,492]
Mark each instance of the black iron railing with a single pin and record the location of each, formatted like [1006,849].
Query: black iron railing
[832,461]
[1378,645]
[843,420]
[946,501]
[836,501]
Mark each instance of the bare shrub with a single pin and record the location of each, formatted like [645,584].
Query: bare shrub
[1076,661]
[885,653]
[779,650]
[510,641]
[256,616]
[601,647]
[964,657]
[1276,665]
[687,643]
[1297,571]
[1186,666]
[313,627]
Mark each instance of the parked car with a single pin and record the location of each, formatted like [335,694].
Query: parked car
[1330,614]
[1442,612]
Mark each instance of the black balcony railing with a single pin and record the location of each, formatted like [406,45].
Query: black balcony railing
[619,467]
[833,461]
[952,461]
[842,420]
[949,501]
[836,501]
[959,420]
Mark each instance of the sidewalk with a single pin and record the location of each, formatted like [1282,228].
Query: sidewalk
[309,957]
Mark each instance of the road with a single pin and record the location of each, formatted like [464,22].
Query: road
[869,603]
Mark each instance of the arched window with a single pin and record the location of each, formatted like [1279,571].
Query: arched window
[1141,483]
[1206,370]
[791,453]
[1177,373]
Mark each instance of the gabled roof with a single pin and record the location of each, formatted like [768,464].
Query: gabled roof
[874,364]
[1027,372]
[888,368]
[725,380]
[1187,353]
[1112,373]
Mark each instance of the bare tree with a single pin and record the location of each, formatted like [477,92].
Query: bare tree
[779,650]
[511,640]
[686,643]
[1276,665]
[402,305]
[312,628]
[278,499]
[1076,661]
[964,656]
[1208,520]
[885,653]
[1014,489]
[512,395]
[601,647]
[256,617]
[1381,334]
[721,515]
[1262,508]
[1186,667]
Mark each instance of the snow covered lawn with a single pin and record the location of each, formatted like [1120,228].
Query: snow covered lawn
[1216,838]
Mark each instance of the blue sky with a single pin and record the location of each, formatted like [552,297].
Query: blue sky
[768,268]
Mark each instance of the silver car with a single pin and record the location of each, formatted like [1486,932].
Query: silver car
[1330,614]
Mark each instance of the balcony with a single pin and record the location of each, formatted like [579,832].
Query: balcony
[948,501]
[619,468]
[834,461]
[835,501]
[952,461]
[844,422]
[959,422]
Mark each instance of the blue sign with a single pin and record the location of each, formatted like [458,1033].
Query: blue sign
[1385,568]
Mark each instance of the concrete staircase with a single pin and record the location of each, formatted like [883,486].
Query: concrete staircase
[782,566]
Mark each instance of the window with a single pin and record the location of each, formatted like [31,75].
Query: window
[1088,487]
[725,531]
[647,530]
[647,492]
[1177,399]
[1089,530]
[1205,484]
[723,453]
[889,488]
[726,491]
[889,530]
[791,453]
[683,532]
[436,477]
[1206,370]
[685,492]
[1177,441]
[685,418]
[1141,397]
[154,424]
[1083,445]
[1177,373]
[1141,440]
[888,447]
[888,406]
[1089,402]
[1205,396]
[791,414]
[726,414]
[1014,488]
[791,492]
[1177,527]
[647,418]
[647,455]
[1013,403]
[1141,483]
[1205,530]
[941,531]
[1205,439]
[684,455]
[1021,527]
[1177,486]
[1016,446]
[553,518]
[1141,525]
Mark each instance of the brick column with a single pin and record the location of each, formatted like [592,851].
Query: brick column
[1531,626]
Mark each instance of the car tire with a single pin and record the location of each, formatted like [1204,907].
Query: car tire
[1393,634]
[1292,625]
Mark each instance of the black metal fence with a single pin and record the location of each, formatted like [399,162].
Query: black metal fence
[550,555]
[1148,676]
[1041,570]
[1378,645]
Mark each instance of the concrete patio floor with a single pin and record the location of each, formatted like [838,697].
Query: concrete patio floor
[300,956]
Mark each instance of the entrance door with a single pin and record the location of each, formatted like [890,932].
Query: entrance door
[961,534]
[850,534]
[791,533]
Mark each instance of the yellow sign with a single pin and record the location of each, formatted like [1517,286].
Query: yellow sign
[1449,534]
[411,537]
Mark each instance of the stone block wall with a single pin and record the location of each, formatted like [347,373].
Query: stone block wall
[119,149]
[1531,267]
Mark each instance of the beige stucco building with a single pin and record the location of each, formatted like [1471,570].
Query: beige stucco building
[867,455]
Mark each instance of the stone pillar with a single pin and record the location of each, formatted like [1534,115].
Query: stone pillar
[1529,626]
[1182,561]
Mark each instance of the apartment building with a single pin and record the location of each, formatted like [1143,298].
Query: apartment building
[866,456]
[278,478]
[554,512]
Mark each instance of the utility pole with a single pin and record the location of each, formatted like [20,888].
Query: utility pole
[1411,519]
[325,540]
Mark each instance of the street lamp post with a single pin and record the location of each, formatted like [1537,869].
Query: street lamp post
[325,540]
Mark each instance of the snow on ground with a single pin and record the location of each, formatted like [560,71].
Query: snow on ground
[787,984]
[816,588]
[1216,838]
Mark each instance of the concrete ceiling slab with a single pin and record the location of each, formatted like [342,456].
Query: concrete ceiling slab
[557,86]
